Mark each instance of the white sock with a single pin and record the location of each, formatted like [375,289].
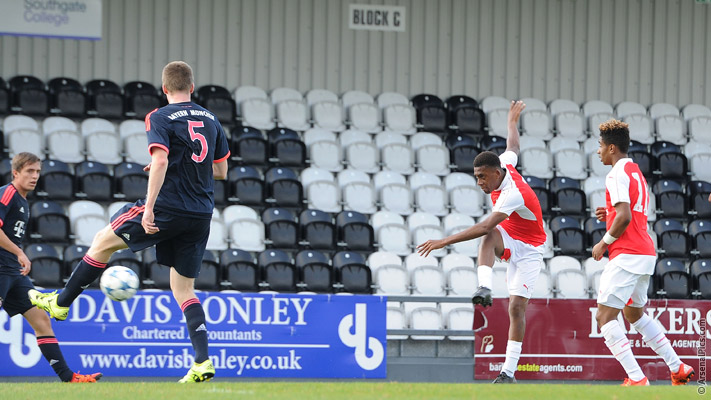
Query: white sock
[654,337]
[484,274]
[619,346]
[513,352]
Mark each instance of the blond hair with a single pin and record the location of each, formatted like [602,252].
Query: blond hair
[177,76]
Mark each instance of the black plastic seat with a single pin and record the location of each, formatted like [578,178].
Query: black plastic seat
[672,278]
[570,201]
[698,193]
[562,182]
[647,162]
[278,271]
[72,255]
[47,269]
[158,275]
[700,271]
[241,272]
[316,274]
[131,180]
[563,222]
[49,222]
[354,231]
[700,233]
[104,99]
[494,144]
[463,150]
[29,95]
[284,187]
[317,229]
[281,228]
[94,181]
[56,181]
[674,244]
[535,182]
[67,97]
[666,185]
[637,146]
[4,97]
[249,146]
[660,147]
[672,204]
[465,114]
[210,275]
[430,112]
[247,185]
[545,198]
[667,224]
[352,273]
[673,165]
[287,148]
[219,101]
[570,242]
[595,230]
[141,98]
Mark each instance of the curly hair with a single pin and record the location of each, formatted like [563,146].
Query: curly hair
[617,133]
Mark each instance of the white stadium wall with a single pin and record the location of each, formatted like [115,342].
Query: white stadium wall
[638,50]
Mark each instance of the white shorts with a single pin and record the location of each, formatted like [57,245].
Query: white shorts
[620,288]
[525,262]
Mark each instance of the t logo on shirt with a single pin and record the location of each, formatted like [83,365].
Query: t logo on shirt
[19,229]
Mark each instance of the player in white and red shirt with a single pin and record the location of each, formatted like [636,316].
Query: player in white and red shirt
[625,279]
[513,232]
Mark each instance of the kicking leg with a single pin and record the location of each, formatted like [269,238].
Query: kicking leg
[491,246]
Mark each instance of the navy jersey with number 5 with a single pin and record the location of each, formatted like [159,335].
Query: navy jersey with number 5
[194,140]
[14,215]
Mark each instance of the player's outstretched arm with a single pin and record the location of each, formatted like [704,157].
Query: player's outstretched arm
[512,140]
[477,230]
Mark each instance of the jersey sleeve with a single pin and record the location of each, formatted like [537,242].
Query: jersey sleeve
[156,129]
[5,203]
[222,148]
[508,202]
[508,158]
[618,185]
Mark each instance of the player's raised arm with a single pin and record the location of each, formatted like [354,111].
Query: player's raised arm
[512,140]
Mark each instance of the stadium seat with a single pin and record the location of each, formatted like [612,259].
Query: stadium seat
[56,181]
[496,121]
[391,233]
[219,101]
[317,229]
[672,278]
[257,113]
[426,318]
[249,147]
[286,147]
[543,287]
[491,103]
[698,164]
[158,275]
[465,115]
[135,140]
[455,223]
[293,114]
[499,289]
[671,128]
[561,263]
[104,99]
[493,143]
[132,181]
[570,201]
[94,181]
[22,134]
[103,143]
[381,259]
[5,97]
[594,230]
[47,270]
[395,319]
[352,97]
[397,157]
[67,97]
[674,244]
[278,271]
[699,193]
[29,95]
[428,281]
[284,188]
[537,162]
[700,271]
[592,267]
[141,99]
[241,270]
[247,234]
[571,284]
[352,273]
[430,112]
[354,231]
[672,166]
[570,125]
[281,229]
[315,272]
[217,239]
[210,276]
[672,204]
[392,280]
[700,233]
[74,253]
[537,123]
[571,163]
[87,218]
[463,151]
[594,107]
[247,185]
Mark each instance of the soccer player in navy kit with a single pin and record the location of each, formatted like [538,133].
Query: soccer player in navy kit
[15,266]
[188,151]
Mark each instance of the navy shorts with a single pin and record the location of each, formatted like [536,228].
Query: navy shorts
[180,242]
[13,293]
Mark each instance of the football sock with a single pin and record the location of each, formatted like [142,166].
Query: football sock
[513,352]
[655,338]
[50,350]
[484,276]
[195,319]
[619,346]
[84,274]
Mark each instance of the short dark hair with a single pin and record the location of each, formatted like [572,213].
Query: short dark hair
[487,159]
[177,76]
[22,159]
[617,133]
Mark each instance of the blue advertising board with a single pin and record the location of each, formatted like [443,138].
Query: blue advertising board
[250,335]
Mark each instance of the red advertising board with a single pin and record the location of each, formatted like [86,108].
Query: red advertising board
[563,341]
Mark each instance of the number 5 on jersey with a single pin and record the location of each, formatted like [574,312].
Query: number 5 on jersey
[200,137]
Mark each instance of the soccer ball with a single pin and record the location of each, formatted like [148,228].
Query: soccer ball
[119,283]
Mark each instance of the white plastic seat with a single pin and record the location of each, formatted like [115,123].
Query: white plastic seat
[693,147]
[467,200]
[386,99]
[350,175]
[314,135]
[571,125]
[590,145]
[424,233]
[243,93]
[559,106]
[533,104]
[699,166]
[257,113]
[421,139]
[103,143]
[536,123]
[455,221]
[114,207]
[247,234]
[455,260]
[217,239]
[428,281]
[328,115]
[317,96]
[363,156]
[591,266]
[326,155]
[594,183]
[595,281]
[64,142]
[497,120]
[671,128]
[691,111]
[395,319]
[394,238]
[279,95]
[236,212]
[462,281]
[397,157]
[132,132]
[396,197]
[593,107]
[314,174]
[543,288]
[657,110]
[433,159]
[352,97]
[641,128]
[595,120]
[560,263]
[431,199]
[426,318]
[529,142]
[699,129]
[22,134]
[537,162]
[359,196]
[559,143]
[392,280]
[383,217]
[469,248]
[324,196]
[572,284]
[421,178]
[414,261]
[87,218]
[385,138]
[351,136]
[364,117]
[419,219]
[456,179]
[383,178]
[571,163]
[626,108]
[400,118]
[379,259]
[460,319]
[293,114]
[596,166]
[491,103]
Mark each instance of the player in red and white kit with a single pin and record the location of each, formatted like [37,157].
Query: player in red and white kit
[513,233]
[625,279]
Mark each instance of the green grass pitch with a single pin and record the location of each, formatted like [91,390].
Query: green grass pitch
[336,391]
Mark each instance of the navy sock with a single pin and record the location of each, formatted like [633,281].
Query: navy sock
[50,350]
[84,274]
[195,319]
